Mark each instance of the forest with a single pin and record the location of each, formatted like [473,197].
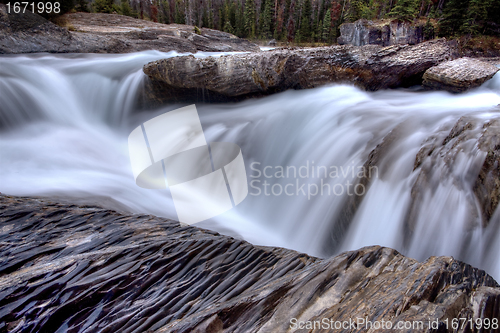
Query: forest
[306,20]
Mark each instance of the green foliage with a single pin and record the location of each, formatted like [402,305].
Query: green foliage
[250,18]
[405,10]
[266,20]
[103,6]
[305,21]
[228,27]
[429,32]
[82,6]
[454,14]
[124,9]
[327,27]
[197,30]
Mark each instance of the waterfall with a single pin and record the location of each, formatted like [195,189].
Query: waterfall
[65,119]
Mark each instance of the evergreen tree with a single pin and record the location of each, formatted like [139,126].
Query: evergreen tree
[305,22]
[454,14]
[405,10]
[81,6]
[266,20]
[239,25]
[477,15]
[250,18]
[103,6]
[327,26]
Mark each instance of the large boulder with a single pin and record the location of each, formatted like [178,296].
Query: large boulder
[107,33]
[84,268]
[459,75]
[384,33]
[370,67]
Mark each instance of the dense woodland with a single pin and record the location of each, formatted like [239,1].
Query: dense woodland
[307,20]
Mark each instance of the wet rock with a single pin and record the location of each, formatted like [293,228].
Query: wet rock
[107,33]
[443,151]
[384,33]
[370,67]
[459,75]
[72,268]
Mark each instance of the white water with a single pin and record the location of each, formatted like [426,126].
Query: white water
[64,122]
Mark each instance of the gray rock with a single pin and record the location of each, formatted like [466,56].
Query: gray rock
[26,33]
[439,154]
[76,268]
[369,67]
[459,75]
[107,33]
[384,33]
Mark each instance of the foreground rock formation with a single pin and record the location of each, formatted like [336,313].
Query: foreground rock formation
[370,67]
[73,268]
[384,33]
[459,75]
[107,33]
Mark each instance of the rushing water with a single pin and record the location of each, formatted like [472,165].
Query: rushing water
[64,122]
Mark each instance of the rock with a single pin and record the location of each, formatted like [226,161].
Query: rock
[107,33]
[272,42]
[26,33]
[459,75]
[369,67]
[442,152]
[142,35]
[73,268]
[384,33]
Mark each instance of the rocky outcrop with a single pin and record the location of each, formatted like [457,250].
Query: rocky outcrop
[107,33]
[443,151]
[384,33]
[459,75]
[26,33]
[73,268]
[370,67]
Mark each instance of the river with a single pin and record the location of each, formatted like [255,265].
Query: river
[65,119]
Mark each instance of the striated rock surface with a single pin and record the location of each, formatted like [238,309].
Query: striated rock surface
[459,75]
[384,33]
[370,67]
[107,33]
[83,268]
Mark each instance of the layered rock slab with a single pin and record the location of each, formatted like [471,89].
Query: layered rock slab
[459,75]
[370,67]
[74,267]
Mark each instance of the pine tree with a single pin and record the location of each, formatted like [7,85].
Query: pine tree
[103,6]
[239,25]
[405,10]
[228,27]
[327,26]
[250,18]
[266,20]
[82,6]
[477,14]
[305,22]
[454,14]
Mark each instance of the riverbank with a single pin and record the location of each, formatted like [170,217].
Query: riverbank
[108,33]
[141,272]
